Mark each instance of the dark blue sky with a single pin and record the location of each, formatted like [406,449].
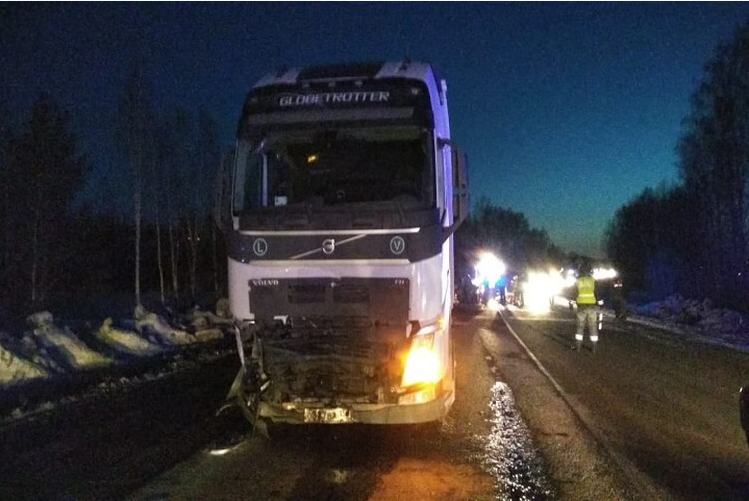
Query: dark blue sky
[566,110]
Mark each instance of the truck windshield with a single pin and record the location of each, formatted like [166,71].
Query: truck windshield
[336,167]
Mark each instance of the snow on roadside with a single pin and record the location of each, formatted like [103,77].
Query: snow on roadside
[48,349]
[698,319]
[125,341]
[13,368]
[157,329]
[63,345]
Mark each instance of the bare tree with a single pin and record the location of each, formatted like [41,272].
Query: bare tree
[42,171]
[5,191]
[193,148]
[157,204]
[714,165]
[208,156]
[181,181]
[695,235]
[508,234]
[135,141]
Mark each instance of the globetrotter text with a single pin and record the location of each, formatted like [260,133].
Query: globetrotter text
[334,98]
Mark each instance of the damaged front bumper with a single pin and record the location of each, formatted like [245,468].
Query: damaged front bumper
[291,413]
[428,404]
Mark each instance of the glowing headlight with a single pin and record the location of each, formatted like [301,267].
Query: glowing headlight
[422,363]
[489,268]
[604,273]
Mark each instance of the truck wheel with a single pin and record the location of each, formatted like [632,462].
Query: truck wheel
[228,428]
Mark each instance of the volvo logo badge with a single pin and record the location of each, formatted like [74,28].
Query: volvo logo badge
[397,245]
[328,246]
[260,247]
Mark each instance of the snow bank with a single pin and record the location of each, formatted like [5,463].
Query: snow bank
[125,341]
[204,323]
[13,368]
[157,330]
[48,352]
[62,346]
[48,349]
[699,317]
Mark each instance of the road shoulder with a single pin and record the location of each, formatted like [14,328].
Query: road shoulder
[578,465]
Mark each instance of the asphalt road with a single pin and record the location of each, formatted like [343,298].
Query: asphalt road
[646,417]
[464,460]
[156,440]
[484,450]
[664,409]
[103,441]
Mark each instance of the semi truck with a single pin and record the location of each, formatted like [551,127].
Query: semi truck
[339,208]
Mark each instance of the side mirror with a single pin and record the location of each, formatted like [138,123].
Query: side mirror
[461,196]
[222,199]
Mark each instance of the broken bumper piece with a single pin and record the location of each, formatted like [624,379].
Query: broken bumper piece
[359,413]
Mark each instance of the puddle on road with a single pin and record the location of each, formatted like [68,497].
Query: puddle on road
[510,454]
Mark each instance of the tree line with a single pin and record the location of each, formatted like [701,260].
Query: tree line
[173,160]
[58,249]
[691,238]
[507,234]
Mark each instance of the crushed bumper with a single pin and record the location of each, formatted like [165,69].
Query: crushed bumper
[359,413]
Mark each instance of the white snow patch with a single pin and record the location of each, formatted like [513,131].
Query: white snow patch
[205,335]
[125,341]
[158,330]
[205,324]
[696,318]
[14,368]
[71,351]
[48,349]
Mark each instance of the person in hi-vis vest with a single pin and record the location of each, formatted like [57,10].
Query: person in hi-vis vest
[587,308]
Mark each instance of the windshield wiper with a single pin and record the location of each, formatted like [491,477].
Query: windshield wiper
[260,146]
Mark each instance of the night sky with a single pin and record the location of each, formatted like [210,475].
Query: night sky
[566,110]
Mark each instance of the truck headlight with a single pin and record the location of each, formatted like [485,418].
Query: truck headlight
[422,363]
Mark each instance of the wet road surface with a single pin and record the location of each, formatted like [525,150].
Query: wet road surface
[589,431]
[482,451]
[665,409]
[108,440]
[155,440]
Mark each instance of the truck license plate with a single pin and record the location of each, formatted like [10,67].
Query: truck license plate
[337,415]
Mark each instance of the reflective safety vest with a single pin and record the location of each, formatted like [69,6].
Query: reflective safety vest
[586,290]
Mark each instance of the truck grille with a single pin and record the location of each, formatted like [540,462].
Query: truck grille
[382,301]
[331,339]
[305,294]
[350,293]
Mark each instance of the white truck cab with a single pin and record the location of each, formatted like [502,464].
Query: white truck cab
[346,191]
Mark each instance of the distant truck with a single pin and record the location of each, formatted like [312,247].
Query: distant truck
[346,191]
